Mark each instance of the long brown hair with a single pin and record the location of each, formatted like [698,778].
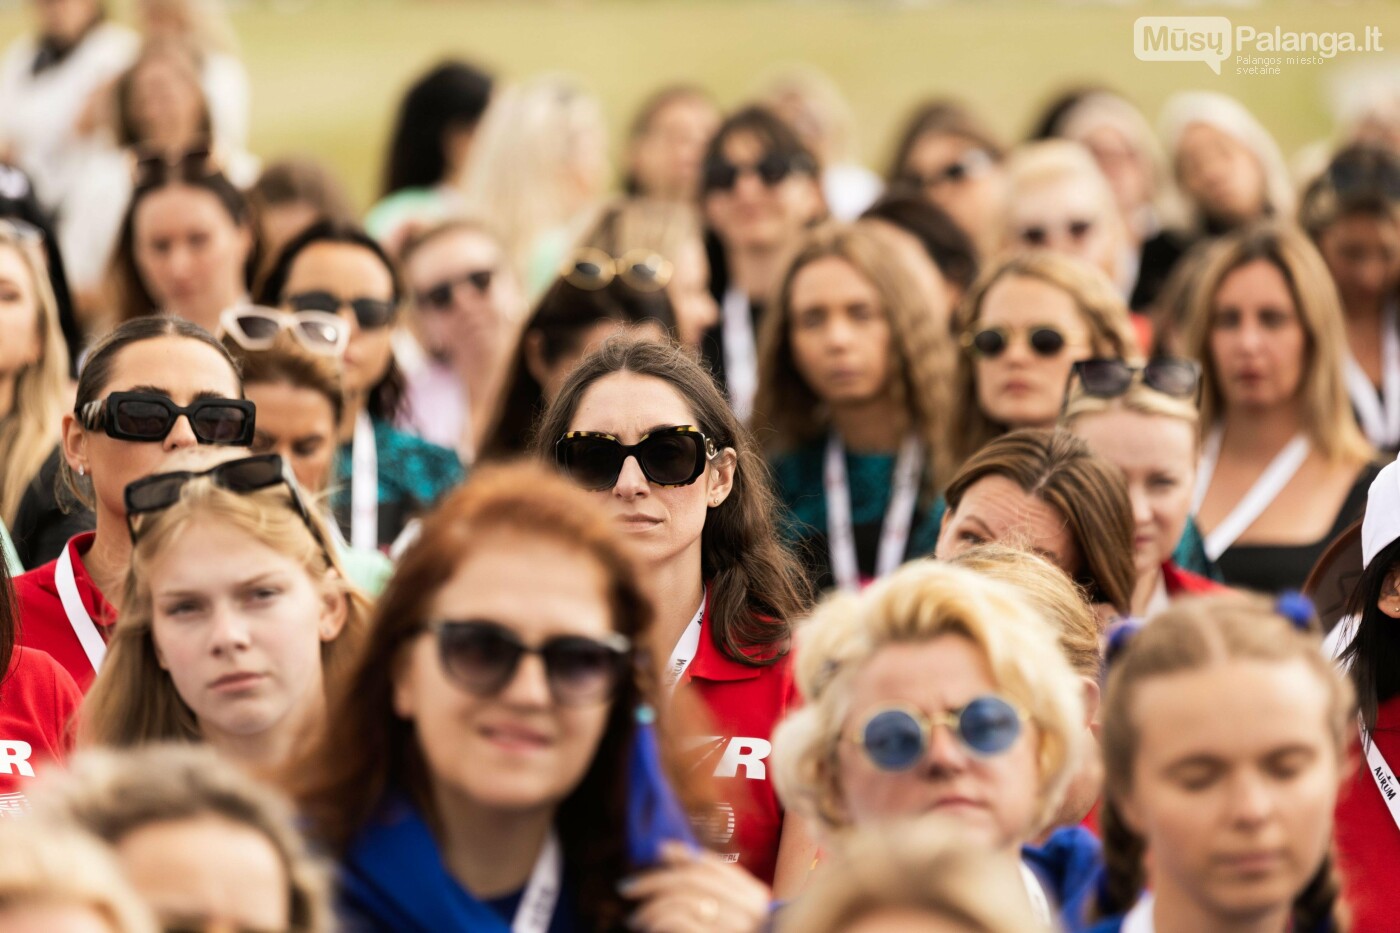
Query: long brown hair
[918,351]
[1089,493]
[757,588]
[368,752]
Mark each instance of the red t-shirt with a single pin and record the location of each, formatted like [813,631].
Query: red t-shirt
[43,623]
[1367,840]
[37,703]
[745,704]
[1180,582]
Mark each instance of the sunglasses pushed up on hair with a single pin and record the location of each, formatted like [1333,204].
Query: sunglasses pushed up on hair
[154,168]
[1110,378]
[151,416]
[673,456]
[896,738]
[592,269]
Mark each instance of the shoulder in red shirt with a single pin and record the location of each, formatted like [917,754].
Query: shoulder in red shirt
[745,704]
[1367,841]
[43,623]
[37,703]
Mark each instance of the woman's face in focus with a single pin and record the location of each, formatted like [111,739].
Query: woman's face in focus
[1157,454]
[518,749]
[996,796]
[1234,782]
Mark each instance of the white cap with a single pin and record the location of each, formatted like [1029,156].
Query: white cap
[1382,522]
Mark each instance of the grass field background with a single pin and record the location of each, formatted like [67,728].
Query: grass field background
[327,73]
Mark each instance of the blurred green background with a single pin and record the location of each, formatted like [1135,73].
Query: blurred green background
[326,74]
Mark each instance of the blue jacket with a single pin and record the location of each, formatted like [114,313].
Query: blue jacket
[1069,866]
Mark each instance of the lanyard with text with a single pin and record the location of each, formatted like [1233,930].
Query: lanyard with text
[1380,418]
[740,352]
[1382,774]
[83,626]
[685,649]
[899,515]
[1254,502]
[542,892]
[364,486]
[1139,919]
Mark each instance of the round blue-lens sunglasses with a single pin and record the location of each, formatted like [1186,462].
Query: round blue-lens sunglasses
[895,738]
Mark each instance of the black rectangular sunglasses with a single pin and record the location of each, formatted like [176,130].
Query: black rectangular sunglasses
[1110,378]
[150,416]
[673,456]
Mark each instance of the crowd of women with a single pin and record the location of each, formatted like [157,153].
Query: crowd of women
[770,545]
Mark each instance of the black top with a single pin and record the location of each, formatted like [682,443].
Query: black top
[712,341]
[42,528]
[1272,568]
[1155,263]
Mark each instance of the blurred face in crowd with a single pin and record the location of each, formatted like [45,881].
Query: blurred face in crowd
[166,102]
[964,179]
[1022,387]
[179,368]
[840,333]
[279,224]
[1067,215]
[663,522]
[51,917]
[299,423]
[1258,347]
[1220,174]
[995,509]
[207,872]
[1128,170]
[63,21]
[756,214]
[20,345]
[190,252]
[689,291]
[1362,251]
[517,749]
[1233,783]
[239,626]
[665,158]
[466,268]
[995,795]
[1157,454]
[552,373]
[347,272]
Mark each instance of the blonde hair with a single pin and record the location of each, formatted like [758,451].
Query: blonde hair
[133,701]
[1055,597]
[1054,162]
[662,227]
[1140,398]
[1101,308]
[207,26]
[1195,634]
[919,349]
[1322,397]
[516,178]
[919,602]
[922,865]
[28,434]
[47,863]
[113,793]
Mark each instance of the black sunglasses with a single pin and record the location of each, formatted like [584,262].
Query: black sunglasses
[668,457]
[194,164]
[972,163]
[991,342]
[1110,378]
[439,296]
[245,475]
[370,313]
[1039,234]
[723,175]
[482,657]
[150,416]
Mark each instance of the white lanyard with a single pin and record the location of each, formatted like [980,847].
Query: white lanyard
[83,626]
[1259,497]
[685,649]
[899,515]
[1139,919]
[542,892]
[740,352]
[1380,418]
[364,486]
[1040,904]
[1382,774]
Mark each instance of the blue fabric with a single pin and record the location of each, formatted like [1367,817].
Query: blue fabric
[1069,866]
[654,815]
[1111,925]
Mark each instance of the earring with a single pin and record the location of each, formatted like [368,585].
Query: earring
[81,470]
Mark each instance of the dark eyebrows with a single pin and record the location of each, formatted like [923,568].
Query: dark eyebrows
[157,390]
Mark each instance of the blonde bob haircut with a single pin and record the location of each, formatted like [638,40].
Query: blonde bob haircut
[1101,308]
[1056,598]
[920,866]
[918,603]
[50,864]
[1322,398]
[112,793]
[133,701]
[788,408]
